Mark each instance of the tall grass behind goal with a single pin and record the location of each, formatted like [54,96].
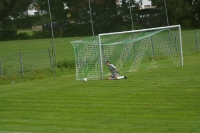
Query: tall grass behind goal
[129,51]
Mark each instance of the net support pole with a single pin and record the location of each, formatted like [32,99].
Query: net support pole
[53,44]
[50,60]
[196,38]
[167,24]
[100,58]
[131,15]
[181,48]
[21,63]
[131,18]
[1,69]
[152,47]
[91,19]
[175,41]
[166,13]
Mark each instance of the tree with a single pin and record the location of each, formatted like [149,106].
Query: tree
[128,8]
[57,8]
[104,12]
[196,13]
[179,11]
[5,8]
[13,8]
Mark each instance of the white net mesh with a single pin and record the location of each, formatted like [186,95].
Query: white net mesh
[128,51]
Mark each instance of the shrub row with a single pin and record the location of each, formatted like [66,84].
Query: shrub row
[63,67]
[69,31]
[8,35]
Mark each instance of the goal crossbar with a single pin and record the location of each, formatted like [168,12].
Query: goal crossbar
[133,31]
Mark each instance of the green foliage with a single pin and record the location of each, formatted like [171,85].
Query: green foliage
[31,75]
[22,36]
[107,16]
[12,7]
[181,12]
[186,23]
[8,35]
[104,13]
[28,22]
[73,30]
[41,35]
[68,64]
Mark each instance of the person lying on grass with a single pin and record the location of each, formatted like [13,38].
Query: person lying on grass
[114,72]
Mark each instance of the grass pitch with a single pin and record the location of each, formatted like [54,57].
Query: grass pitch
[164,99]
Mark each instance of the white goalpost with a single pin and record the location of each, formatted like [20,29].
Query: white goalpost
[148,48]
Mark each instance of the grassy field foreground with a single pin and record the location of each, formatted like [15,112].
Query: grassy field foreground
[161,100]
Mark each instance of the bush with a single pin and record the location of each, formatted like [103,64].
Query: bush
[40,35]
[73,30]
[186,23]
[8,35]
[69,64]
[46,34]
[23,36]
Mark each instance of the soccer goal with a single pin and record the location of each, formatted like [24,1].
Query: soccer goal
[129,51]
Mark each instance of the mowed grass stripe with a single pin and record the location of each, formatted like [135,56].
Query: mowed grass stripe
[164,99]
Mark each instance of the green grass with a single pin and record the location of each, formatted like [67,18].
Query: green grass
[189,41]
[34,52]
[154,100]
[157,100]
[63,46]
[29,32]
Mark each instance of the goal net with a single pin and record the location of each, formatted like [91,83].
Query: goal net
[129,51]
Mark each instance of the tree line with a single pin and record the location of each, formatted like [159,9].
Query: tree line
[106,14]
